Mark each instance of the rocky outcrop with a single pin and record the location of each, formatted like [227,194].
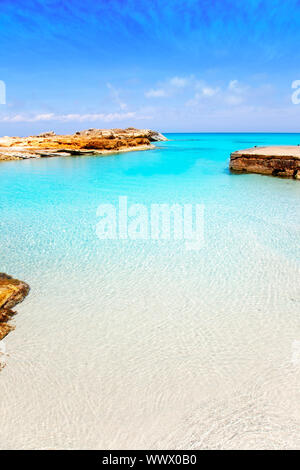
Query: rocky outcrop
[12,292]
[86,142]
[280,160]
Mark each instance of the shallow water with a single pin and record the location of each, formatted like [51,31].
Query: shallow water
[144,344]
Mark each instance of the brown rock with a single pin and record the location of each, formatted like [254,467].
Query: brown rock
[95,141]
[281,160]
[12,292]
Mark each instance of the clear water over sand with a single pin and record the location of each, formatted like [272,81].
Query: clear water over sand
[143,344]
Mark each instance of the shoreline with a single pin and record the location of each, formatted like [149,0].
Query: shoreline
[95,142]
[73,153]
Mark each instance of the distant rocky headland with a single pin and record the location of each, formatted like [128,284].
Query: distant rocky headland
[12,292]
[86,142]
[280,160]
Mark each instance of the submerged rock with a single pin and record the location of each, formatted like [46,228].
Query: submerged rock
[281,160]
[90,141]
[12,292]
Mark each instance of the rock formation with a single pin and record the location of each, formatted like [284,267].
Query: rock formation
[280,160]
[12,292]
[91,141]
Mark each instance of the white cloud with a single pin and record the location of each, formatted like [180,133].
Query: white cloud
[194,101]
[158,93]
[168,88]
[204,89]
[179,82]
[209,91]
[68,117]
[204,92]
[233,100]
[116,96]
[237,93]
[234,86]
[27,118]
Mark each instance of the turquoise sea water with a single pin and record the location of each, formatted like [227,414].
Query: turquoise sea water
[142,343]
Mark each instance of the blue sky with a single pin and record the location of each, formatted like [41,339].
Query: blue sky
[217,65]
